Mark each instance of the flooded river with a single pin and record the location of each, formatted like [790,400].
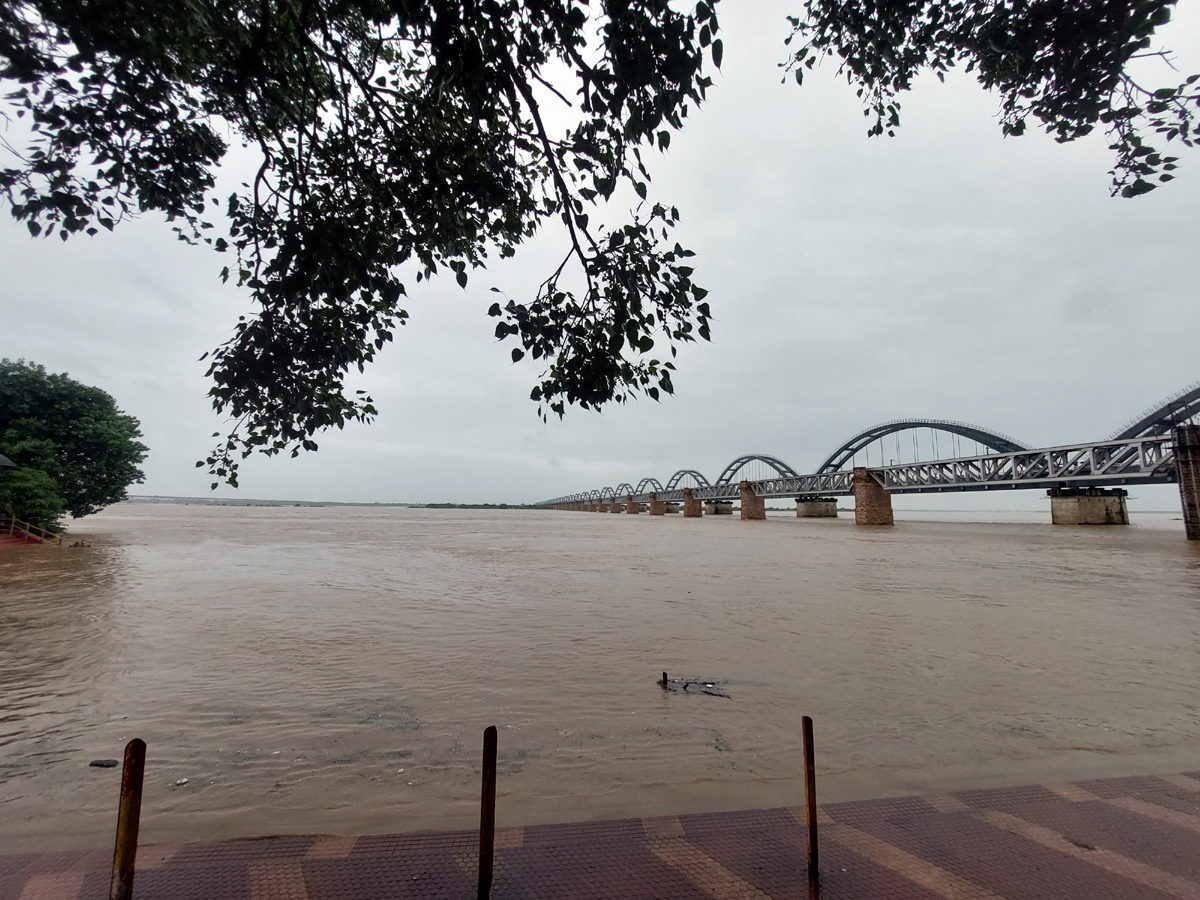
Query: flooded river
[332,670]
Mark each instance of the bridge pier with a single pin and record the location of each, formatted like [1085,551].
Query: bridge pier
[816,507]
[1088,506]
[1187,461]
[632,508]
[753,506]
[872,503]
[719,508]
[657,507]
[672,509]
[692,508]
[614,506]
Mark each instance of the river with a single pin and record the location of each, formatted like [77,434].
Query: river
[332,669]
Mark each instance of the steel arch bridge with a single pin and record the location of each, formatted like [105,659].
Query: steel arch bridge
[782,469]
[676,480]
[1141,452]
[993,440]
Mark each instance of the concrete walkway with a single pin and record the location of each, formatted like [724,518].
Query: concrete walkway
[1115,838]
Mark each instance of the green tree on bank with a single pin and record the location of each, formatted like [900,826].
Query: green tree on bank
[439,133]
[76,451]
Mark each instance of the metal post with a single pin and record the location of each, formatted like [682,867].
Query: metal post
[487,817]
[121,887]
[810,796]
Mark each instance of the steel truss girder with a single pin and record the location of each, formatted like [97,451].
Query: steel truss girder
[1133,461]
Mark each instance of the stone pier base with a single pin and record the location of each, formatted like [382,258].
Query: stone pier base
[692,508]
[1088,506]
[672,509]
[1187,461]
[872,503]
[816,507]
[753,506]
[657,507]
[719,508]
[632,508]
[614,506]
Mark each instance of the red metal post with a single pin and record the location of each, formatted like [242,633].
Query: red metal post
[128,816]
[810,796]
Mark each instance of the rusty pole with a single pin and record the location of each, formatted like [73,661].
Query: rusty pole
[128,816]
[810,796]
[487,816]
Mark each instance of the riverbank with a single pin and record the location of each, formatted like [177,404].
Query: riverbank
[1122,838]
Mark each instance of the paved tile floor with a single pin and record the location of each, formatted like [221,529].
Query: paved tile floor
[1092,840]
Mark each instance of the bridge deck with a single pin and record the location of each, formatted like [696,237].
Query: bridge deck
[1119,838]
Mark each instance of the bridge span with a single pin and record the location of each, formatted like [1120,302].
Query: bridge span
[1087,483]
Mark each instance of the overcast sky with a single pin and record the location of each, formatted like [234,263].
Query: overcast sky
[947,272]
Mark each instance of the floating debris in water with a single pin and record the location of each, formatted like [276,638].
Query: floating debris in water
[693,686]
[103,763]
[181,781]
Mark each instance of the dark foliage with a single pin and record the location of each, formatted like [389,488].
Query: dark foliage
[1064,63]
[71,432]
[31,496]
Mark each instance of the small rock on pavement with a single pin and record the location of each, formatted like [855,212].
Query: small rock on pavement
[103,763]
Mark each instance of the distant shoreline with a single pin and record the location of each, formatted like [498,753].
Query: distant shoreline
[239,501]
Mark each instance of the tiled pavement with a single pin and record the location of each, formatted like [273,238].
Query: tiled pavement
[1115,838]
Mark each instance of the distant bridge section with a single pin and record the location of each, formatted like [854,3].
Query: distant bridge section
[1085,481]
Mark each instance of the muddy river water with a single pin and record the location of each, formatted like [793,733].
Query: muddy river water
[332,670]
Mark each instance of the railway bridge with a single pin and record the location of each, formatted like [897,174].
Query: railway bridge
[1086,483]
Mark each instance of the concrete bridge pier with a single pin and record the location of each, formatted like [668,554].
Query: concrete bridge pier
[719,508]
[595,506]
[614,506]
[632,508]
[692,508]
[1187,460]
[816,507]
[1088,506]
[657,507]
[753,506]
[872,502]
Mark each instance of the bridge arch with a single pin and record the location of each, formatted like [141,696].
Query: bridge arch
[1179,407]
[993,440]
[782,469]
[676,480]
[607,493]
[647,483]
[624,489]
[594,494]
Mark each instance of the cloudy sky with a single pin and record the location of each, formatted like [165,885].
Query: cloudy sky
[947,272]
